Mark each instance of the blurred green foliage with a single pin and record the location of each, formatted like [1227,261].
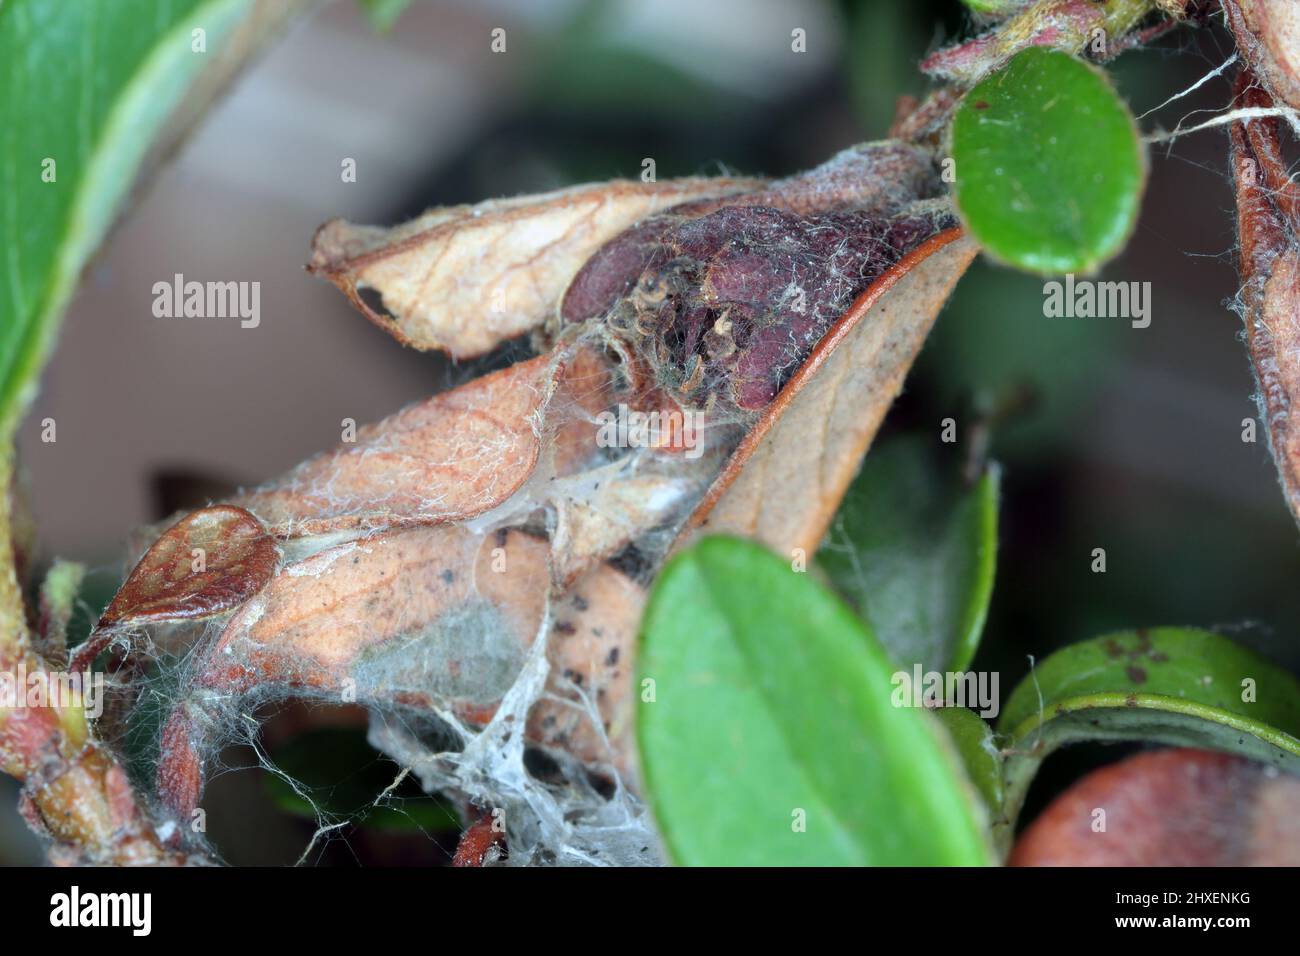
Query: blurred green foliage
[337,775]
[913,550]
[382,14]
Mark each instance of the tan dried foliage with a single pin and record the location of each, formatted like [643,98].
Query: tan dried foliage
[1268,225]
[786,480]
[417,565]
[1268,38]
[467,278]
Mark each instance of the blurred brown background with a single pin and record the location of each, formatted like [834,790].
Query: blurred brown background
[1132,443]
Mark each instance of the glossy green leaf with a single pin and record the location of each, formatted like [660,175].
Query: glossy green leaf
[914,550]
[1174,686]
[85,87]
[768,731]
[1049,166]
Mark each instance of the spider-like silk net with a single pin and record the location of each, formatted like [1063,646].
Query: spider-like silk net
[575,810]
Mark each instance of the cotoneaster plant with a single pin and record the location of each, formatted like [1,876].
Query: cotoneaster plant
[719,628]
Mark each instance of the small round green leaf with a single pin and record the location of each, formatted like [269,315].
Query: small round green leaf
[1049,166]
[769,733]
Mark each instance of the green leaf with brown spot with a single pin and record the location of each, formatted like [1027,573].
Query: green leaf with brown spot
[1177,686]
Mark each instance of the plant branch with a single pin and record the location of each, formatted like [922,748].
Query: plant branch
[74,790]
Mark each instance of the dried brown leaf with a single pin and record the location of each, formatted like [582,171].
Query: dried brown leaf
[1268,224]
[491,516]
[449,458]
[785,481]
[591,654]
[437,618]
[207,563]
[320,615]
[610,517]
[467,278]
[1268,38]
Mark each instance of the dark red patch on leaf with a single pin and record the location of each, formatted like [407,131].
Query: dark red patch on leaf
[730,304]
[208,562]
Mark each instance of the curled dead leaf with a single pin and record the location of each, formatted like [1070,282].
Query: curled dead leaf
[424,561]
[210,562]
[1268,38]
[207,563]
[785,481]
[1268,225]
[467,278]
[437,619]
[454,456]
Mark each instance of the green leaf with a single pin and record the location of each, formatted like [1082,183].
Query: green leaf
[914,551]
[85,85]
[1174,686]
[772,706]
[973,740]
[1049,166]
[382,14]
